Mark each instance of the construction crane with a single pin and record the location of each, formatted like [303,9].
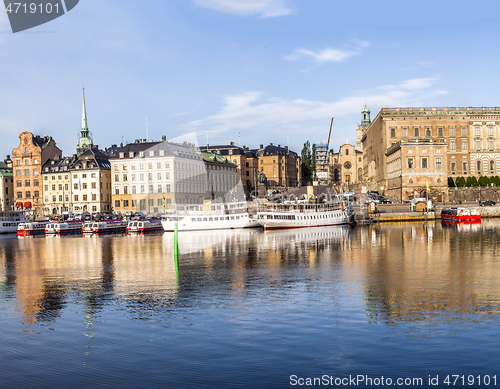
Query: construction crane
[328,142]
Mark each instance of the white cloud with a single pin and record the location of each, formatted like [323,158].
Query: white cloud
[328,55]
[262,116]
[4,22]
[263,8]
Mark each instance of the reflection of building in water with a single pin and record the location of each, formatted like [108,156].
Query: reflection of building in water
[412,270]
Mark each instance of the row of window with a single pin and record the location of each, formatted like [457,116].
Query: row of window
[27,172]
[424,163]
[133,166]
[19,183]
[36,194]
[26,161]
[440,131]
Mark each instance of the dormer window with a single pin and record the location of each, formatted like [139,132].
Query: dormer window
[162,153]
[141,154]
[122,155]
[151,153]
[131,154]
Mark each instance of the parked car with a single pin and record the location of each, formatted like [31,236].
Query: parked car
[488,203]
[384,200]
[373,199]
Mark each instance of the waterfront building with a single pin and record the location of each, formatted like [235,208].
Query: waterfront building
[223,180]
[365,123]
[28,159]
[280,165]
[152,176]
[347,165]
[56,178]
[91,182]
[6,184]
[445,142]
[246,162]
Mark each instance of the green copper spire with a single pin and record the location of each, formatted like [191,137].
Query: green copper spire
[365,117]
[85,140]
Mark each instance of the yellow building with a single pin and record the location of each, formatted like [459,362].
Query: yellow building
[280,165]
[56,177]
[347,165]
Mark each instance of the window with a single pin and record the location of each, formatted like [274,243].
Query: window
[117,190]
[124,166]
[133,176]
[26,161]
[428,131]
[478,166]
[134,189]
[53,199]
[464,145]
[37,194]
[478,145]
[84,197]
[94,185]
[162,153]
[132,166]
[492,166]
[424,163]
[167,175]
[158,164]
[36,182]
[151,202]
[94,208]
[53,186]
[417,131]
[158,175]
[117,203]
[464,130]
[19,195]
[134,203]
[346,151]
[440,131]
[151,153]
[490,131]
[46,187]
[143,189]
[19,183]
[490,145]
[35,172]
[150,176]
[160,188]
[18,172]
[76,197]
[452,131]
[116,166]
[150,165]
[66,198]
[167,164]
[84,185]
[464,165]
[117,177]
[125,203]
[75,186]
[18,162]
[125,177]
[91,176]
[84,176]
[452,145]
[141,177]
[478,131]
[151,189]
[141,166]
[60,186]
[167,188]
[405,132]
[27,172]
[410,163]
[393,132]
[438,163]
[159,202]
[28,194]
[125,189]
[453,167]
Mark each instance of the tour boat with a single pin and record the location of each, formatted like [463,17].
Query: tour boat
[460,214]
[31,228]
[292,214]
[104,227]
[142,226]
[214,216]
[63,228]
[10,220]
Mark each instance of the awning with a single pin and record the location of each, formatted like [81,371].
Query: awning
[19,204]
[27,204]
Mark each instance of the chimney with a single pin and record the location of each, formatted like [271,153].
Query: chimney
[279,145]
[261,146]
[8,161]
[163,138]
[286,147]
[270,144]
[136,141]
[144,140]
[231,143]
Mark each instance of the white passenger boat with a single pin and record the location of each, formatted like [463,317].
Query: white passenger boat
[31,228]
[104,227]
[143,226]
[63,228]
[301,215]
[10,220]
[214,216]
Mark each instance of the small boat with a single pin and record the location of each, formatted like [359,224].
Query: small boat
[143,226]
[460,215]
[31,228]
[110,226]
[63,228]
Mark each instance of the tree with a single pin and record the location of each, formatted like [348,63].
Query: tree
[473,181]
[484,181]
[451,184]
[495,180]
[313,160]
[306,161]
[460,182]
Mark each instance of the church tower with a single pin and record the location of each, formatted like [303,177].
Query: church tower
[85,141]
[365,123]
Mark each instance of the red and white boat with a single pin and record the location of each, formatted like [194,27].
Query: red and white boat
[63,228]
[107,227]
[143,226]
[460,215]
[31,228]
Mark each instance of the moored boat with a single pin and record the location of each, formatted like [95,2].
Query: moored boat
[143,226]
[213,216]
[460,215]
[109,226]
[302,215]
[62,228]
[31,228]
[10,220]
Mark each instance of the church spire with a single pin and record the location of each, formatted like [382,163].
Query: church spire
[85,140]
[84,113]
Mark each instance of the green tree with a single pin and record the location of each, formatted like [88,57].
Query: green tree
[451,183]
[460,182]
[313,160]
[473,181]
[305,156]
[495,180]
[484,181]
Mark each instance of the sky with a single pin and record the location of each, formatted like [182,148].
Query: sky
[248,71]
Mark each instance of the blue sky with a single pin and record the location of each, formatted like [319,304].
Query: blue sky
[273,70]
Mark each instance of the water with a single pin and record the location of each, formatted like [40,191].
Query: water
[249,309]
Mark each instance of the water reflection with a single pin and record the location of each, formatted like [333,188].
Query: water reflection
[402,272]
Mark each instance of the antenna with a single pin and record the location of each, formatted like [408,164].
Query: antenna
[147,130]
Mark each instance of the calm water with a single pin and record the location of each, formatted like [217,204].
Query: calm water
[250,309]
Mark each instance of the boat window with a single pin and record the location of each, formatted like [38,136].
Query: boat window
[199,219]
[237,217]
[210,219]
[204,219]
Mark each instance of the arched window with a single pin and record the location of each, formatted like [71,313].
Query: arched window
[479,166]
[492,166]
[360,174]
[346,151]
